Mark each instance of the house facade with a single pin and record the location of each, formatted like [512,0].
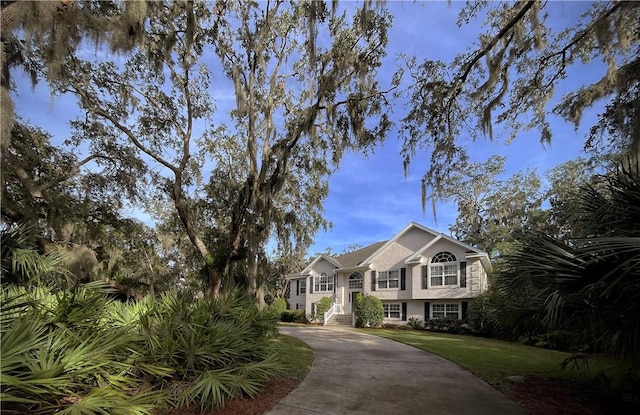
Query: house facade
[418,273]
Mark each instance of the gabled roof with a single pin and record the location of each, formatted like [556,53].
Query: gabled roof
[355,258]
[369,259]
[470,250]
[346,261]
[364,256]
[438,236]
[308,268]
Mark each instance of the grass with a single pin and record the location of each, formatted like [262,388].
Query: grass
[296,355]
[495,360]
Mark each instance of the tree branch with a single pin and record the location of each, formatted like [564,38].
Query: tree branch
[482,52]
[93,107]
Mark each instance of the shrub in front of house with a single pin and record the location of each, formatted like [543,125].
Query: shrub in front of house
[446,325]
[293,316]
[415,323]
[278,306]
[369,311]
[322,307]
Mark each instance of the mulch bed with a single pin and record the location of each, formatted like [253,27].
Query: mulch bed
[548,396]
[274,391]
[538,395]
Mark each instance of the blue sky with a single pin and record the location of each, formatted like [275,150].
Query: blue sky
[370,198]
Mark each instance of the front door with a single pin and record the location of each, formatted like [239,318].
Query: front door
[352,300]
[355,287]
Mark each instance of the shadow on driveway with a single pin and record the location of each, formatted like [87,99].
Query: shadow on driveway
[358,373]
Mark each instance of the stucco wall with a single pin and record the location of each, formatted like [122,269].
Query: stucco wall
[416,308]
[294,298]
[476,276]
[393,258]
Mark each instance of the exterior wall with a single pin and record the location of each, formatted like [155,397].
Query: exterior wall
[416,308]
[392,258]
[415,239]
[476,276]
[312,296]
[297,301]
[342,291]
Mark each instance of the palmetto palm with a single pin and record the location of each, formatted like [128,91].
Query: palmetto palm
[588,285]
[73,350]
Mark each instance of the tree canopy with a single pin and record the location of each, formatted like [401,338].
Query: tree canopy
[511,77]
[257,171]
[225,120]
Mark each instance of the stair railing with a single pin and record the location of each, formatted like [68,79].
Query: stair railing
[328,314]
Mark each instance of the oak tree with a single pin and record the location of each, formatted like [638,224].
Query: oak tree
[511,76]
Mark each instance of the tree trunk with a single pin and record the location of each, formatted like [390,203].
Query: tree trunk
[213,278]
[253,287]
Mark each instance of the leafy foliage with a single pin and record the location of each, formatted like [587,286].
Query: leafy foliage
[445,325]
[369,311]
[77,351]
[278,306]
[492,211]
[294,316]
[322,306]
[587,284]
[511,75]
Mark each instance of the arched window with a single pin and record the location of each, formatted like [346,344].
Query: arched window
[355,281]
[443,270]
[443,257]
[323,283]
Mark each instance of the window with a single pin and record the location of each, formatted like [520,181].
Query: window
[391,311]
[323,283]
[446,311]
[303,286]
[389,279]
[443,269]
[355,281]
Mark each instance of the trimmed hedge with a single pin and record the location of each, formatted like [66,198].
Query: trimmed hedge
[293,316]
[369,311]
[322,307]
[448,326]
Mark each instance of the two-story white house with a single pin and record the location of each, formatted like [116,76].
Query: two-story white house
[418,273]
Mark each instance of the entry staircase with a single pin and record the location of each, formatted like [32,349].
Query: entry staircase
[340,320]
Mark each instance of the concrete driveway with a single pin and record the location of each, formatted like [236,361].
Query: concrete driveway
[357,373]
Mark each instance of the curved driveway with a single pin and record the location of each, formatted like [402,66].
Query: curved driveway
[358,373]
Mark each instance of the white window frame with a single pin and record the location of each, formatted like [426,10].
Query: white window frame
[302,288]
[446,310]
[318,284]
[390,309]
[448,271]
[386,279]
[357,280]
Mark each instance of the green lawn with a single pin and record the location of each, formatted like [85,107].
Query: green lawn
[495,360]
[296,355]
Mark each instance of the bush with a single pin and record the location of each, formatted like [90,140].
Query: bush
[278,306]
[70,348]
[448,326]
[322,307]
[415,323]
[293,316]
[369,311]
[559,340]
[173,350]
